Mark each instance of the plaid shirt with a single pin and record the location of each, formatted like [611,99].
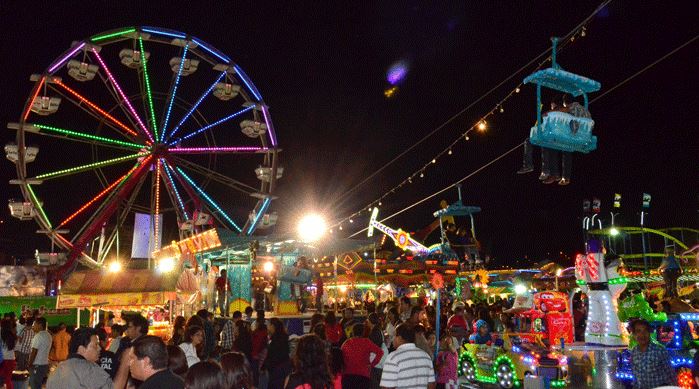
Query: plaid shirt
[227,337]
[25,340]
[652,368]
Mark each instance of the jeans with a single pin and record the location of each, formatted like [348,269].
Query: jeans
[37,374]
[670,277]
[553,160]
[223,303]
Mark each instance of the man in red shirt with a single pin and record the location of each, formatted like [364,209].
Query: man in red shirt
[360,355]
[457,325]
[223,287]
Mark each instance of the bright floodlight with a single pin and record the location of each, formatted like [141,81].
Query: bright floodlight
[559,272]
[114,267]
[613,231]
[311,228]
[520,289]
[268,267]
[166,265]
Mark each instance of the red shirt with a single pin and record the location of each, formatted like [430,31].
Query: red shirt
[356,353]
[333,333]
[221,284]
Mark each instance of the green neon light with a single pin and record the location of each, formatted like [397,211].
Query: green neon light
[147,79]
[38,205]
[112,35]
[87,136]
[90,166]
[618,280]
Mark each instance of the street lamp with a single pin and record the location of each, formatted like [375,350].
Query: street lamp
[166,265]
[311,227]
[268,267]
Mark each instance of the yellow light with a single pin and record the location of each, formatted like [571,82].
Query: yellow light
[343,288]
[114,267]
[559,272]
[482,125]
[268,267]
[520,289]
[312,227]
[614,231]
[166,265]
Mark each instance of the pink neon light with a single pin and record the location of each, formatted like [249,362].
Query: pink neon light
[240,149]
[72,53]
[121,92]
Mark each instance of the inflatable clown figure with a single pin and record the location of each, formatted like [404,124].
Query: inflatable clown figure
[603,286]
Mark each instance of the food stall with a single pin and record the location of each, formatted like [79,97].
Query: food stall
[153,294]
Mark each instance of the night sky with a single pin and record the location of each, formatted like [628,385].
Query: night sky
[322,70]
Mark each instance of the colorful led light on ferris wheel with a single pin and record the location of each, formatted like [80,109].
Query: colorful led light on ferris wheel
[174,92]
[122,94]
[174,188]
[147,82]
[194,107]
[112,34]
[263,208]
[38,203]
[210,50]
[86,136]
[246,80]
[216,123]
[270,129]
[157,31]
[209,199]
[90,166]
[61,61]
[237,149]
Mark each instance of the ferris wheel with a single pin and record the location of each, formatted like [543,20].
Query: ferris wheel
[142,120]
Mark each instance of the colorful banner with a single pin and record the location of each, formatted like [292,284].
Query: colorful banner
[115,299]
[143,236]
[46,306]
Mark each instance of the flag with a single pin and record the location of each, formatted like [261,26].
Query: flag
[586,205]
[143,244]
[617,200]
[596,205]
[646,200]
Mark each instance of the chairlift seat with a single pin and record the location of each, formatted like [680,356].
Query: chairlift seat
[457,209]
[555,132]
[46,105]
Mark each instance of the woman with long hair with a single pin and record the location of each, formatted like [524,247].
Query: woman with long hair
[236,370]
[333,329]
[277,362]
[193,340]
[311,369]
[243,339]
[177,331]
[9,341]
[205,375]
[176,361]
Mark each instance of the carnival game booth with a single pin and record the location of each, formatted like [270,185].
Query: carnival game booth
[151,293]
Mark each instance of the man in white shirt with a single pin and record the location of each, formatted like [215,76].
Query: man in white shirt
[39,357]
[408,367]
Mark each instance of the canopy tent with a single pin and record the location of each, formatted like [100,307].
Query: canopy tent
[130,287]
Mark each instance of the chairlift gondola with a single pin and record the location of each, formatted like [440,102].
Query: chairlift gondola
[554,131]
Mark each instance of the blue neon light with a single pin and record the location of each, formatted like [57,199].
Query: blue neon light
[177,194]
[263,208]
[174,92]
[246,80]
[212,51]
[154,30]
[209,199]
[216,123]
[194,107]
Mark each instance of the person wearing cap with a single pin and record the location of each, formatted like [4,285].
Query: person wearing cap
[457,324]
[671,271]
[482,335]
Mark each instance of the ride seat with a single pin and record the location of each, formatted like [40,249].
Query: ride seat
[556,132]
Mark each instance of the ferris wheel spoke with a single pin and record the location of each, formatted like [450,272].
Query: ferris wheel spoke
[194,107]
[208,199]
[173,192]
[88,167]
[39,206]
[173,92]
[125,99]
[216,176]
[149,94]
[105,191]
[84,101]
[79,136]
[216,123]
[259,210]
[157,205]
[219,150]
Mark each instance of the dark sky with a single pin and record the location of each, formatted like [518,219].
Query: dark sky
[322,70]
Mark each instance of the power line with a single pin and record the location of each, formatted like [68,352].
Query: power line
[652,64]
[486,94]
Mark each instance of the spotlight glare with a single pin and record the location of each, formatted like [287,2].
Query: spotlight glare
[311,227]
[114,267]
